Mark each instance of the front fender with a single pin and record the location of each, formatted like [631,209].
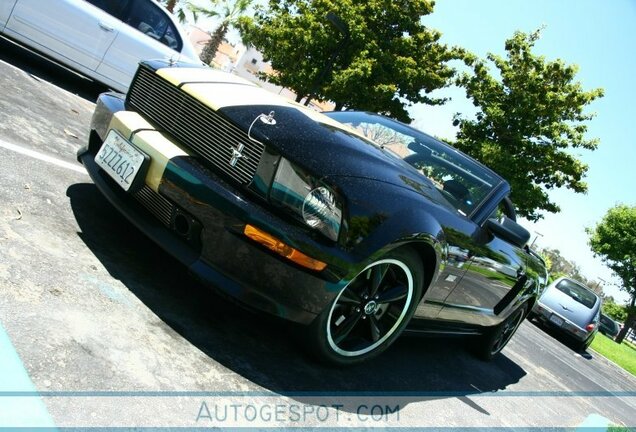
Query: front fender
[381,217]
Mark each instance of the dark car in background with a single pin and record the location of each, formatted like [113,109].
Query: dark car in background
[608,326]
[572,308]
[355,225]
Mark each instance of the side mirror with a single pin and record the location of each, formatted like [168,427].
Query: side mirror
[508,230]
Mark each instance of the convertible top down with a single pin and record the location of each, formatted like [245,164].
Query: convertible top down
[353,224]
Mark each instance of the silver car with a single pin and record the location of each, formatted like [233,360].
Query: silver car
[102,39]
[571,307]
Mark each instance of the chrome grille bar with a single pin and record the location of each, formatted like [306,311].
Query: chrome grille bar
[194,125]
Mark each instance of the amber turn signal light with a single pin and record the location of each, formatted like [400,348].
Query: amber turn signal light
[273,244]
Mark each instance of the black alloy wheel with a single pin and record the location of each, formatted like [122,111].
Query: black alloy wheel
[496,339]
[371,311]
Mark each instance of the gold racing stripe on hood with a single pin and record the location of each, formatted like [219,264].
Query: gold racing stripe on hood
[153,143]
[180,75]
[218,89]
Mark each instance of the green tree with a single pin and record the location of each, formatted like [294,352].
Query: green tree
[614,310]
[388,59]
[530,116]
[229,12]
[613,239]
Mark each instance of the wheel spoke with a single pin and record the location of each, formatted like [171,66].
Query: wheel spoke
[377,276]
[499,341]
[374,325]
[350,297]
[394,315]
[343,330]
[394,294]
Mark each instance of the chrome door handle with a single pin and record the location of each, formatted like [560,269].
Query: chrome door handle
[105,27]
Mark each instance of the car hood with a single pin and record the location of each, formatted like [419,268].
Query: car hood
[307,138]
[326,147]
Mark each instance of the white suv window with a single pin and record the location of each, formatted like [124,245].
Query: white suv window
[152,21]
[116,8]
[145,17]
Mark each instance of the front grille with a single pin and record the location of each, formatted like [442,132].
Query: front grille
[159,206]
[194,125]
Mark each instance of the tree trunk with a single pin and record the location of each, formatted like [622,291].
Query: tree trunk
[299,97]
[629,322]
[170,4]
[210,48]
[339,106]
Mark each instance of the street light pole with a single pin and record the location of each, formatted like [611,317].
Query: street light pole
[538,234]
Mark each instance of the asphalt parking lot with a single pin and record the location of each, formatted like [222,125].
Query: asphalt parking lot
[100,328]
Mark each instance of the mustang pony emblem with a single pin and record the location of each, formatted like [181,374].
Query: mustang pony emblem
[237,153]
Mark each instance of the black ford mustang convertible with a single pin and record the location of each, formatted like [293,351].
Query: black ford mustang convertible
[355,225]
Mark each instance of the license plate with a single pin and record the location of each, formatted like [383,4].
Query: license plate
[556,320]
[120,159]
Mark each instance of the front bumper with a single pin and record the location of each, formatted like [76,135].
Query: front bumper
[218,253]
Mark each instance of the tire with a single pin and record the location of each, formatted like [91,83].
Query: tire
[496,339]
[581,347]
[368,314]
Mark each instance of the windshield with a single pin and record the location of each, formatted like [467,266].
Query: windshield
[582,295]
[463,182]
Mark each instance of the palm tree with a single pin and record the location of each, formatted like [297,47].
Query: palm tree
[170,4]
[230,12]
[180,9]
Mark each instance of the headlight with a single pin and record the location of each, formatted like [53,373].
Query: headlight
[308,198]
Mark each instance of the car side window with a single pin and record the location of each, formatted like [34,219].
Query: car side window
[116,8]
[152,21]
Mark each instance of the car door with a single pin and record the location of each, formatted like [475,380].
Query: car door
[72,31]
[456,262]
[495,275]
[148,33]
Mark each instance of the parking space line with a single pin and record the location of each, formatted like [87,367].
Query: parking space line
[41,156]
[22,411]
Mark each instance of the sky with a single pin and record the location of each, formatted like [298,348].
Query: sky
[600,37]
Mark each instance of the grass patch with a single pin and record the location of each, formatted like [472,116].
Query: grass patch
[623,355]
[613,428]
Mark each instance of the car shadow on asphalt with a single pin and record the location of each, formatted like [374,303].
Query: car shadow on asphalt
[41,68]
[263,349]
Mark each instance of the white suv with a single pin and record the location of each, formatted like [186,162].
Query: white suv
[103,39]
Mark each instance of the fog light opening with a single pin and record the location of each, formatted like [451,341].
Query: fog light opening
[181,225]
